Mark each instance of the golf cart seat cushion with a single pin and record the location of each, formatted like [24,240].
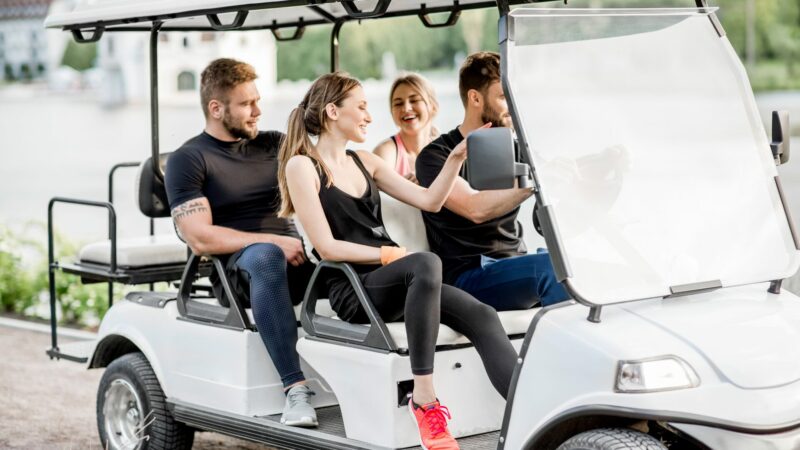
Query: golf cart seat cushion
[137,252]
[404,224]
[514,322]
[151,196]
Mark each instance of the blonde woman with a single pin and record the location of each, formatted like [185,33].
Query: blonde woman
[414,106]
[334,193]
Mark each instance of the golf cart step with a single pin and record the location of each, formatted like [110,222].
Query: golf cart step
[330,421]
[268,430]
[264,430]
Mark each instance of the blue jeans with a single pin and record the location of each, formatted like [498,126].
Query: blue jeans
[518,282]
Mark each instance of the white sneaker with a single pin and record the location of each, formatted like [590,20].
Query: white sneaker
[297,411]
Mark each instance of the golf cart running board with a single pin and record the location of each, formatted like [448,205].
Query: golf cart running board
[268,429]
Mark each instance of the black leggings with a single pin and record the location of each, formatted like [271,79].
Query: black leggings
[411,289]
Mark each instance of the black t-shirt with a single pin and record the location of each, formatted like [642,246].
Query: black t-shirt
[458,241]
[239,179]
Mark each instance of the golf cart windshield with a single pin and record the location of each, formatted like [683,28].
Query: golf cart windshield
[648,147]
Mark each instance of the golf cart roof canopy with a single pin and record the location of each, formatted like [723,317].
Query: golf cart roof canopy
[654,168]
[221,15]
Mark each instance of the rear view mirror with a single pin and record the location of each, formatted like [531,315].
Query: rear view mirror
[780,137]
[491,160]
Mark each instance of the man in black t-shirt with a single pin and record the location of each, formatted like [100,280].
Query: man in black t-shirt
[476,233]
[222,187]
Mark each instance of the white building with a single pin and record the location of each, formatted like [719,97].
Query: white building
[124,61]
[23,44]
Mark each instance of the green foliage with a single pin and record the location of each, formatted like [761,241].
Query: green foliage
[776,39]
[23,289]
[16,287]
[79,56]
[774,75]
[362,45]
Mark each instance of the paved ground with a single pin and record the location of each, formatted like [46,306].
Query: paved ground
[51,405]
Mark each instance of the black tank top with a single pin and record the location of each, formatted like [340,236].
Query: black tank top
[352,219]
[355,219]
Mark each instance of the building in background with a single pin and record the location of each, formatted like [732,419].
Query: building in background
[23,43]
[123,59]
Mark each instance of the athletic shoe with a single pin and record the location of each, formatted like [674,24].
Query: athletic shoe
[297,412]
[432,422]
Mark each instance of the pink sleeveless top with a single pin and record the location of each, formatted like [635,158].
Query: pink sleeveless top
[402,165]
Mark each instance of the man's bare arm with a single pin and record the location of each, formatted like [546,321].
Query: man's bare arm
[194,222]
[481,206]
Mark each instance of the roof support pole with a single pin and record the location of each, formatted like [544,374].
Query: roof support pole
[154,99]
[337,27]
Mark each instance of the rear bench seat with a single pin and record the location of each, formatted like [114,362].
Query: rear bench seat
[139,260]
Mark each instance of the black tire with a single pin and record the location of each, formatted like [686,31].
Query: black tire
[160,430]
[612,439]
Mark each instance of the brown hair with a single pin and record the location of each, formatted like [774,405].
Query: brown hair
[419,84]
[220,76]
[310,119]
[479,70]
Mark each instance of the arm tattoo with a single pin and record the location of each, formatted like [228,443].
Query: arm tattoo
[187,209]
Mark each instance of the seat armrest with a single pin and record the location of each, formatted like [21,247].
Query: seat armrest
[236,318]
[375,335]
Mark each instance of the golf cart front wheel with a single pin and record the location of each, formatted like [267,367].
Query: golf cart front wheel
[612,439]
[132,412]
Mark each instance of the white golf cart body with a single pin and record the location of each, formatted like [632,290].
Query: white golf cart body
[660,204]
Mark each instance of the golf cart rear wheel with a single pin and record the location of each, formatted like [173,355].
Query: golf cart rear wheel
[132,412]
[612,439]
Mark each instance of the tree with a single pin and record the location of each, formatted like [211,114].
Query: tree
[79,56]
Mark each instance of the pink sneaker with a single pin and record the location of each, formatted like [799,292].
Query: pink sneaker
[432,423]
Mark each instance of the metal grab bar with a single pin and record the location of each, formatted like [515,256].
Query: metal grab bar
[52,265]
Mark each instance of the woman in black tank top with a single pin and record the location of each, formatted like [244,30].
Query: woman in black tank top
[334,193]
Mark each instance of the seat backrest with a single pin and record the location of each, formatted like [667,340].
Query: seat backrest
[404,224]
[151,194]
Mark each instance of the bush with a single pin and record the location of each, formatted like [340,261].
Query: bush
[26,291]
[16,287]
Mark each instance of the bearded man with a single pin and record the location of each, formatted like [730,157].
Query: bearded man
[222,187]
[476,234]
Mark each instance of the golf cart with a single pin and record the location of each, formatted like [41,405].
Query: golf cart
[659,201]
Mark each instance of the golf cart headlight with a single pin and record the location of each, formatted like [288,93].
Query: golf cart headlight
[663,373]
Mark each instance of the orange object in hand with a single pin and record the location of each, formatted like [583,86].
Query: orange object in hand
[391,254]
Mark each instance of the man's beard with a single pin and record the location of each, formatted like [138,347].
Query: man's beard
[238,130]
[490,115]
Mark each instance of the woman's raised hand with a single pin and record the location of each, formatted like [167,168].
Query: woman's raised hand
[459,153]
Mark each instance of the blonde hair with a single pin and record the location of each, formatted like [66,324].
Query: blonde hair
[310,119]
[418,83]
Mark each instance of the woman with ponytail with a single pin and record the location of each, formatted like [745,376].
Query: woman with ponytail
[334,193]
